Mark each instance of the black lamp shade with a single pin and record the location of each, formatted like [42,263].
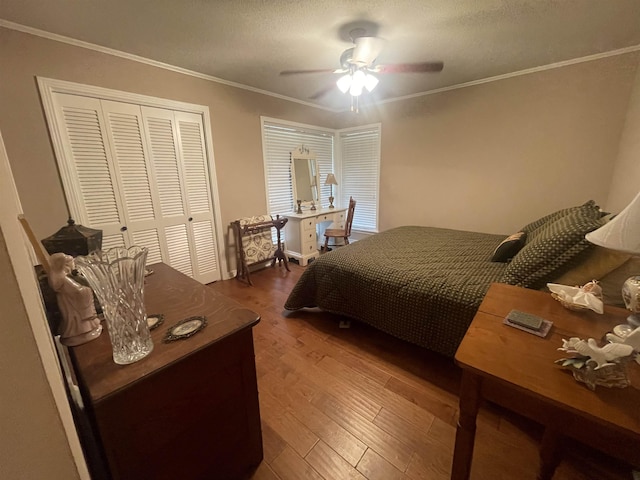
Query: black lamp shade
[73,240]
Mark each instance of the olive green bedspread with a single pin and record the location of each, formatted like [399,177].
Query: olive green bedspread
[420,284]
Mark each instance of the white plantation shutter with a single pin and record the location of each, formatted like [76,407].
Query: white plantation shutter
[360,153]
[279,141]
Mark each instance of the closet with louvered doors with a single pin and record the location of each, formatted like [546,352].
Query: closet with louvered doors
[140,174]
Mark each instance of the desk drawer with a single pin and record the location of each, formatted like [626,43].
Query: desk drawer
[309,242]
[309,224]
[327,217]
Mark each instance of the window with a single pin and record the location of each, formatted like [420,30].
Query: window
[279,138]
[360,158]
[355,160]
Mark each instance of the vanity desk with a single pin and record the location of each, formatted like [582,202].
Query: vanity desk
[303,230]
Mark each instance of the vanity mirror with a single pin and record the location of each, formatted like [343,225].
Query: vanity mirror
[304,177]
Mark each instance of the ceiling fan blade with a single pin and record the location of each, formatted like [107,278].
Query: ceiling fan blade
[320,70]
[366,50]
[410,67]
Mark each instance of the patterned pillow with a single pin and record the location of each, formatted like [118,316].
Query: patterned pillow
[556,247]
[533,229]
[509,247]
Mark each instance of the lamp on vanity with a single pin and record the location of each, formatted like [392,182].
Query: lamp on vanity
[623,234]
[331,181]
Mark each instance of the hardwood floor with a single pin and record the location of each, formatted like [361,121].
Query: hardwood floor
[355,403]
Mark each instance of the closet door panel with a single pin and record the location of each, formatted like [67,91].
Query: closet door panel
[178,246]
[162,143]
[151,240]
[87,173]
[176,143]
[196,171]
[198,190]
[131,161]
[204,238]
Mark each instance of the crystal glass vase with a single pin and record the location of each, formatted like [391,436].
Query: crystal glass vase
[117,278]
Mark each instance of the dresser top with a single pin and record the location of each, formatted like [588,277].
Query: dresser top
[177,297]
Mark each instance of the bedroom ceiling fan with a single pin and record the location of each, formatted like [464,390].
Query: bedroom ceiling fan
[358,70]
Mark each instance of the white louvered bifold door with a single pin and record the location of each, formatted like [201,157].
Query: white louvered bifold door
[88,173]
[133,176]
[178,154]
[141,175]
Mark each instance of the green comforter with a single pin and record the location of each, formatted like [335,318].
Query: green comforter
[420,284]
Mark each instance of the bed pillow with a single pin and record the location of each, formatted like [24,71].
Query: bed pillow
[509,247]
[557,246]
[533,229]
[597,263]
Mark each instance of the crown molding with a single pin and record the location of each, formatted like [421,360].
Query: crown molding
[184,71]
[147,61]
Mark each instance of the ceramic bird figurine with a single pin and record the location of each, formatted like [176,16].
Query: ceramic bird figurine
[602,356]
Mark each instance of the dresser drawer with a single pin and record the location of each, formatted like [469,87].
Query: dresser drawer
[340,217]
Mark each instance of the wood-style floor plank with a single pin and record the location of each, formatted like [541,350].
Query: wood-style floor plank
[356,403]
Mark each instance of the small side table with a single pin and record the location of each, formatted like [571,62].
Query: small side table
[516,370]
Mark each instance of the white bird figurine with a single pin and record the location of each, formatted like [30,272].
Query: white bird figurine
[603,356]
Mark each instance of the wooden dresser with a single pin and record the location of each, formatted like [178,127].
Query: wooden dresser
[190,408]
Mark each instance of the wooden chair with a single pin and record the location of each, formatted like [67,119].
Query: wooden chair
[343,233]
[254,244]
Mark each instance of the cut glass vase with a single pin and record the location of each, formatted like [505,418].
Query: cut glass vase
[117,278]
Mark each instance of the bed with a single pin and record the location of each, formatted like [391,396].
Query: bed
[424,284]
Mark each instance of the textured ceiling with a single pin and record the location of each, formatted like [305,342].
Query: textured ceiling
[249,42]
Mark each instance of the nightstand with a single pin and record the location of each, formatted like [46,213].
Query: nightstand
[516,370]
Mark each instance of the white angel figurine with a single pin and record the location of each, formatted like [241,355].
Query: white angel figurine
[80,323]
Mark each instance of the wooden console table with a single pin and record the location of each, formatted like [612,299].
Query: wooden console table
[516,369]
[303,229]
[190,408]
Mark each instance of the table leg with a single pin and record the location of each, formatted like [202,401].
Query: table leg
[466,432]
[550,453]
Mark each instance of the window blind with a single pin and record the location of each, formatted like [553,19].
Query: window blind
[360,175]
[279,140]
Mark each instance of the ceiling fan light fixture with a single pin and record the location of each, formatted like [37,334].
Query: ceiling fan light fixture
[344,83]
[357,83]
[370,82]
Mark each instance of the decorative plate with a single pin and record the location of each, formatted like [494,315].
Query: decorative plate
[154,320]
[185,328]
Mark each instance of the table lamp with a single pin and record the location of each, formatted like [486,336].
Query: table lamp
[623,234]
[331,181]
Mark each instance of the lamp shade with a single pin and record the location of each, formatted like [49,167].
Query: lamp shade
[623,232]
[331,179]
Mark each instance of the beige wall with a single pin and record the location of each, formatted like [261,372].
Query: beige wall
[626,179]
[494,156]
[32,442]
[235,122]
